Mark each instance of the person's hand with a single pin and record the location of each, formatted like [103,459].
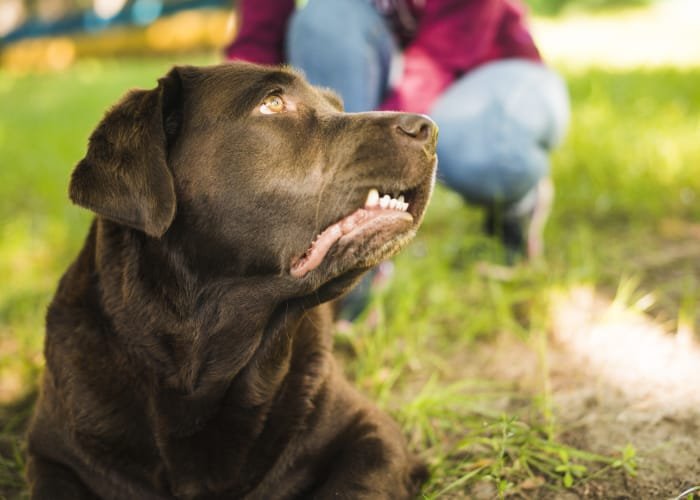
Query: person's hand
[421,83]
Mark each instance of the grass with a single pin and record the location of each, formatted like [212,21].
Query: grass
[554,7]
[628,182]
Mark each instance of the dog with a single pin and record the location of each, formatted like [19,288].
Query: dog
[188,346]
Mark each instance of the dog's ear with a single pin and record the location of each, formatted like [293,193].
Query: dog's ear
[124,175]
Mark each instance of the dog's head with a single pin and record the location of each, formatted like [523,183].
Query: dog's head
[252,171]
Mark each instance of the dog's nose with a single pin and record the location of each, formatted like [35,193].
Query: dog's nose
[418,127]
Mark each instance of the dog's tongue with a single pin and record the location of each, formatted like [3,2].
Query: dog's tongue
[324,241]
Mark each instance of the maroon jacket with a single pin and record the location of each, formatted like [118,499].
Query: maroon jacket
[450,38]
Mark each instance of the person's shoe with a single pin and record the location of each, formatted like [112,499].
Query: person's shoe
[521,224]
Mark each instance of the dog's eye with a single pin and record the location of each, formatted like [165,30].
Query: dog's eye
[272,104]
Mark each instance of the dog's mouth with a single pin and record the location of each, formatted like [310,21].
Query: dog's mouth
[391,215]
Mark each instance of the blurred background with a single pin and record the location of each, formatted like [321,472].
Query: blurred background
[590,356]
[52,34]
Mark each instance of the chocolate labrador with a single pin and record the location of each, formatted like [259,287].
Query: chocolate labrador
[188,347]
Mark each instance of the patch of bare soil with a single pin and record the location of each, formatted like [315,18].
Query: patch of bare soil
[614,378]
[618,377]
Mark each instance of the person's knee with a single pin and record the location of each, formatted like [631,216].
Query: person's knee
[490,161]
[523,92]
[491,184]
[488,152]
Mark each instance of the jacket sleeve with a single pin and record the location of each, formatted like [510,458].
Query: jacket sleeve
[262,25]
[454,36]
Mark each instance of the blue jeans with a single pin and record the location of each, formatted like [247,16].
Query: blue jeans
[497,122]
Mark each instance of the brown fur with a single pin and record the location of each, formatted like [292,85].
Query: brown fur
[183,360]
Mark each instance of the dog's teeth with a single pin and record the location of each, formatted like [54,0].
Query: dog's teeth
[385,202]
[372,198]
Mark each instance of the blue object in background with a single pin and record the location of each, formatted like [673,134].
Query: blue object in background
[137,12]
[144,12]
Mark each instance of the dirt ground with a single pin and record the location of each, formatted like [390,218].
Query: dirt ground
[615,378]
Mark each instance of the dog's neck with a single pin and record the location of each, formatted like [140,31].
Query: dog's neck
[196,333]
[217,358]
